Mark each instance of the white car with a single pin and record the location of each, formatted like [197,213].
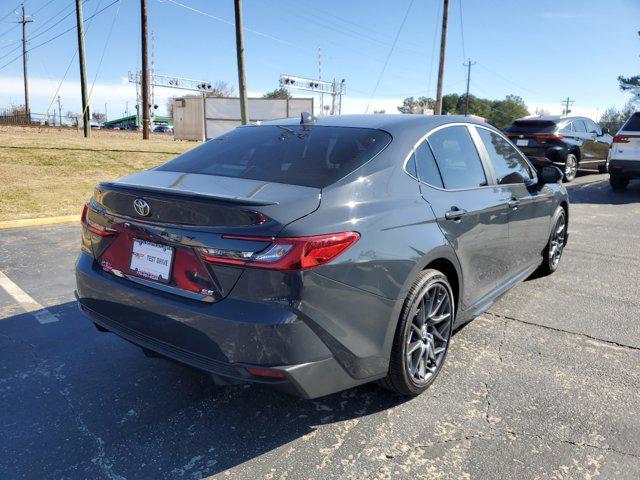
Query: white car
[624,155]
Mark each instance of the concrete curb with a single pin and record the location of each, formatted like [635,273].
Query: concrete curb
[34,222]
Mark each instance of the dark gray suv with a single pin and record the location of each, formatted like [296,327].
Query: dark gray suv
[319,254]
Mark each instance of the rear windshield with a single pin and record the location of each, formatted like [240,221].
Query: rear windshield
[633,124]
[531,126]
[308,155]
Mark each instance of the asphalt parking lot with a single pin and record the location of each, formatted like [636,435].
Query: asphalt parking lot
[545,385]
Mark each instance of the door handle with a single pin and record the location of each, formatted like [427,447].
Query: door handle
[455,213]
[513,203]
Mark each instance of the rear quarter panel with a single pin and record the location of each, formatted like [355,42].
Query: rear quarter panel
[399,237]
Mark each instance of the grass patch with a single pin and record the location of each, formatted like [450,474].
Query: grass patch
[49,172]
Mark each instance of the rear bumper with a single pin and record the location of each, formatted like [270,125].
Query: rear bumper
[556,154]
[225,338]
[625,168]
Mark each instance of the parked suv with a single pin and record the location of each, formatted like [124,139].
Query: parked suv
[572,143]
[316,255]
[624,157]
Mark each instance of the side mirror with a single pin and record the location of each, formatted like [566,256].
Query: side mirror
[605,131]
[549,174]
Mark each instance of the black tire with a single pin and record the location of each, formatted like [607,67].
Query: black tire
[555,246]
[602,168]
[429,284]
[618,183]
[570,167]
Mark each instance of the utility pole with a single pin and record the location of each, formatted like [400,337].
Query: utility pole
[59,111]
[443,47]
[467,64]
[333,98]
[106,116]
[24,22]
[340,96]
[145,72]
[153,83]
[83,72]
[566,103]
[320,78]
[242,82]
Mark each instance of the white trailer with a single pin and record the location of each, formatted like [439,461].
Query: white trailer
[199,117]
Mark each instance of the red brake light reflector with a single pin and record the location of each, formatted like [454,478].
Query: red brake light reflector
[94,227]
[263,372]
[549,137]
[623,138]
[292,253]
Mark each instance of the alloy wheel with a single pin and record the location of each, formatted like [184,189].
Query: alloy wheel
[570,168]
[557,241]
[428,336]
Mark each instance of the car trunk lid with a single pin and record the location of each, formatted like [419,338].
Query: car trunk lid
[190,214]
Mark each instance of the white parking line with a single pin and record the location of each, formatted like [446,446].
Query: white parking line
[26,301]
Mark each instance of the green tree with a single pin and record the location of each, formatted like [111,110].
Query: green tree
[413,105]
[477,106]
[282,93]
[450,104]
[503,112]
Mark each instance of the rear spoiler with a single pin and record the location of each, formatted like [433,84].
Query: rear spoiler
[181,193]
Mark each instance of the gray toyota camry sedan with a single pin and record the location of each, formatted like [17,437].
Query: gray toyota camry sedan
[317,254]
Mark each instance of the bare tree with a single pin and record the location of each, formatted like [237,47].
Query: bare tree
[98,117]
[222,89]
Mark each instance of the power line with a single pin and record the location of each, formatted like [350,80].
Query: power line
[64,77]
[433,48]
[507,80]
[386,62]
[219,19]
[60,34]
[43,7]
[42,32]
[54,25]
[54,16]
[12,11]
[464,53]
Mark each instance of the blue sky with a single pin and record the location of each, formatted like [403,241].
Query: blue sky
[540,50]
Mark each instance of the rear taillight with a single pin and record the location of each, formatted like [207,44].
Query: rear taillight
[624,138]
[94,227]
[548,137]
[294,253]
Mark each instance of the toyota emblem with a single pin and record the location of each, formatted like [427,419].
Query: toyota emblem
[141,207]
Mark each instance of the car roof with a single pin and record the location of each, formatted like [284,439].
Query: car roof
[392,123]
[550,118]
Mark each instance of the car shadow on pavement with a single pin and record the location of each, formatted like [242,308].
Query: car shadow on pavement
[109,410]
[600,192]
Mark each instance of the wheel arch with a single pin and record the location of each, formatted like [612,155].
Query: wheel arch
[576,151]
[450,271]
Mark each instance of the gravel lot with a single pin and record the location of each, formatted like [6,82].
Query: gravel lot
[545,385]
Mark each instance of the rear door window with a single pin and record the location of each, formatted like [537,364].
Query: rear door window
[567,129]
[578,126]
[633,124]
[592,127]
[426,165]
[307,155]
[508,164]
[457,158]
